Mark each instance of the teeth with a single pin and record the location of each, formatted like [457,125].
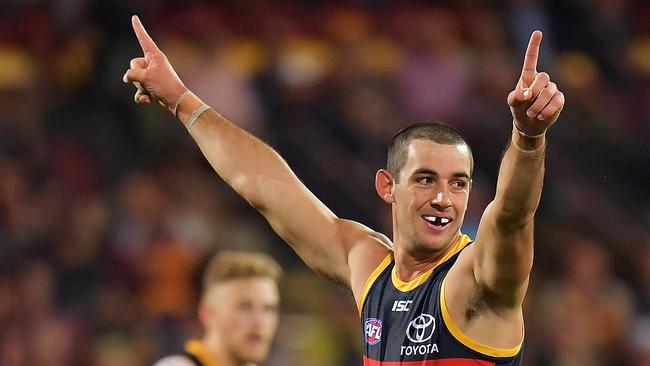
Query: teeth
[437,220]
[431,219]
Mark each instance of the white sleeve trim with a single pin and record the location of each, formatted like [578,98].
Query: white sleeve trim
[175,360]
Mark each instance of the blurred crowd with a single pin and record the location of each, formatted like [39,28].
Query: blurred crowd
[109,210]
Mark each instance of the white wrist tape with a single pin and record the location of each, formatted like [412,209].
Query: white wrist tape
[178,102]
[195,115]
[522,133]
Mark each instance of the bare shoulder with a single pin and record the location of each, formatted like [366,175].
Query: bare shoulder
[357,233]
[175,360]
[460,282]
[367,248]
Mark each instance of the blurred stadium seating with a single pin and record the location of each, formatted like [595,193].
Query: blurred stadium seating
[109,210]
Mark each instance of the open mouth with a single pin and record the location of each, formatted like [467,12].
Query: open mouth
[438,221]
[254,338]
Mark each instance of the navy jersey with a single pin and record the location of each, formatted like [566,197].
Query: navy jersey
[407,323]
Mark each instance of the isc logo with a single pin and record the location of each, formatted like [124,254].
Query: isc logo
[402,305]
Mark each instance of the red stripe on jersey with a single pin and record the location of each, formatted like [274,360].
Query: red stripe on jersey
[440,362]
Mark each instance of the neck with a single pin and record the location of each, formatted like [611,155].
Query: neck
[214,345]
[411,264]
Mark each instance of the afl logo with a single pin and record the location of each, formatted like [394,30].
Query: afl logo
[373,330]
[421,328]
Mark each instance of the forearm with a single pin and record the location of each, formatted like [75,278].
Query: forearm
[520,181]
[260,175]
[241,160]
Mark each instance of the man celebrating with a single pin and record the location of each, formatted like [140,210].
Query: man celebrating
[431,296]
[238,311]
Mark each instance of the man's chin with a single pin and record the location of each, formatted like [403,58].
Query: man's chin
[436,243]
[253,360]
[254,355]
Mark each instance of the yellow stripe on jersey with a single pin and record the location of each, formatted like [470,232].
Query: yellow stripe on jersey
[373,277]
[467,341]
[405,286]
[200,351]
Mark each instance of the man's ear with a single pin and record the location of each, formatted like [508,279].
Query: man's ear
[384,185]
[205,314]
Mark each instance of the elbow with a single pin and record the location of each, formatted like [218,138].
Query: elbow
[514,222]
[264,192]
[248,188]
[514,217]
[264,182]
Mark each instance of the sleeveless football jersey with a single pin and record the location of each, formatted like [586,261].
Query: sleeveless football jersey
[408,324]
[194,353]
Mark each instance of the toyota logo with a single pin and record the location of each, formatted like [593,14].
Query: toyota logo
[421,328]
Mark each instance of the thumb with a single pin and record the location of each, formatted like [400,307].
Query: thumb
[518,97]
[132,75]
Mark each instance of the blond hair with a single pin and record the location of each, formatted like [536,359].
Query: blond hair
[231,265]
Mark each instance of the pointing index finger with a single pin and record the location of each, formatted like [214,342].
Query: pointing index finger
[530,60]
[147,44]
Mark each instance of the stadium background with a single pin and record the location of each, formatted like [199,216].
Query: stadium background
[109,210]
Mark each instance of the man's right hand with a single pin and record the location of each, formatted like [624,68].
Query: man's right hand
[152,74]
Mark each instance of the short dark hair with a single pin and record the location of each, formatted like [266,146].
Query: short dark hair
[435,131]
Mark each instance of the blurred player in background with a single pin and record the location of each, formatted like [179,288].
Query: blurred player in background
[431,296]
[238,312]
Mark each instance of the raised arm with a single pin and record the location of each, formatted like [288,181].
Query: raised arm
[256,172]
[504,242]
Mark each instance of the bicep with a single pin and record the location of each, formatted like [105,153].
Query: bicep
[504,255]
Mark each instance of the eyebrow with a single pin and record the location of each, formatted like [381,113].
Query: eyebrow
[434,173]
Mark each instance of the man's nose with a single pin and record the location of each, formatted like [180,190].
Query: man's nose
[441,200]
